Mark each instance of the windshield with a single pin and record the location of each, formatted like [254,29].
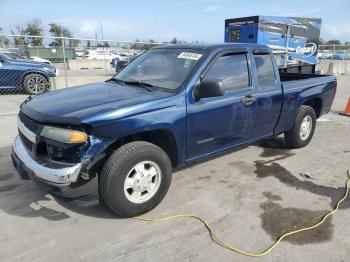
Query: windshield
[13,56]
[161,68]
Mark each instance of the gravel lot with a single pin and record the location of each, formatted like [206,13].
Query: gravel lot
[250,196]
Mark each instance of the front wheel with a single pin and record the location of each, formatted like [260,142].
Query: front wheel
[303,128]
[36,84]
[135,178]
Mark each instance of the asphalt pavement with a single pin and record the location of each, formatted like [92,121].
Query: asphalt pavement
[250,196]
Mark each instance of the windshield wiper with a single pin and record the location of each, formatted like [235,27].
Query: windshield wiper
[146,86]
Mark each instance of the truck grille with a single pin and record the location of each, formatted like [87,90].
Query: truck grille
[31,124]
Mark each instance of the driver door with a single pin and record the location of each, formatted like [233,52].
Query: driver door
[216,123]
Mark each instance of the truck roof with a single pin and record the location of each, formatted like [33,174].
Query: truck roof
[215,46]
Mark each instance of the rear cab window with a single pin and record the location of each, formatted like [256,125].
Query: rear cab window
[265,72]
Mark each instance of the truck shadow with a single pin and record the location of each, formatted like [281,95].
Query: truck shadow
[278,149]
[26,199]
[266,169]
[274,147]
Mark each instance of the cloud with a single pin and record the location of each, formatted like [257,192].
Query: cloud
[335,31]
[211,8]
[122,29]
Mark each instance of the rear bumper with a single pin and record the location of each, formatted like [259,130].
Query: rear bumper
[53,176]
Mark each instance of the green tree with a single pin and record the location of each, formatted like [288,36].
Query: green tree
[3,39]
[347,43]
[73,42]
[333,42]
[34,28]
[20,39]
[58,30]
[173,41]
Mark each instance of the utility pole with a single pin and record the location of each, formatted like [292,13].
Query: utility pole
[103,47]
[64,60]
[96,38]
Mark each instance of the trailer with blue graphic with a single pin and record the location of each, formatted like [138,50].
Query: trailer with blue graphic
[294,40]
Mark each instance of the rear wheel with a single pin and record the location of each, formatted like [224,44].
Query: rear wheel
[36,84]
[135,178]
[303,128]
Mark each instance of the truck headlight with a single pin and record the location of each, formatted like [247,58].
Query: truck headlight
[64,135]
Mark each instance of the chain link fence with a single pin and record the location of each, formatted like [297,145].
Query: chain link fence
[59,62]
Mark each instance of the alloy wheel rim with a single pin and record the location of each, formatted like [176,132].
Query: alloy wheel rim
[142,182]
[37,84]
[305,128]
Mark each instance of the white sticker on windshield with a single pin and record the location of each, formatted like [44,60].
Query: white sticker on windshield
[187,55]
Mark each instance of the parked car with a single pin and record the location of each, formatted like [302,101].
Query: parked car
[41,60]
[120,64]
[172,106]
[344,55]
[81,53]
[20,73]
[325,54]
[100,55]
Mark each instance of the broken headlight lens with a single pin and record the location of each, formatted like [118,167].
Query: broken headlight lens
[64,135]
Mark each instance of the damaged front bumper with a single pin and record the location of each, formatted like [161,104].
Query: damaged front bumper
[63,178]
[54,173]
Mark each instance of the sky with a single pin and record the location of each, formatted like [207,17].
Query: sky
[188,20]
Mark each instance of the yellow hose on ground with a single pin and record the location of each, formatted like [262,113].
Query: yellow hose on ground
[217,239]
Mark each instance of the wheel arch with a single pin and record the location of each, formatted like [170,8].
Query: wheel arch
[316,103]
[34,73]
[163,138]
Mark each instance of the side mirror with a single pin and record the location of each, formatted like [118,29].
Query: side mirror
[210,88]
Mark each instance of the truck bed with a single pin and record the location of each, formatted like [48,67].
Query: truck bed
[302,82]
[294,76]
[299,88]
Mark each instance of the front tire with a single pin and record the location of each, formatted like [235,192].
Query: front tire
[303,128]
[36,84]
[135,178]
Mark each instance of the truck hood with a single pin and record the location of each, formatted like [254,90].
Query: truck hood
[71,105]
[29,63]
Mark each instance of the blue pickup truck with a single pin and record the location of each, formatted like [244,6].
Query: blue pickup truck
[171,106]
[18,73]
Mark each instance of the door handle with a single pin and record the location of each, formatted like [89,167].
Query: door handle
[248,100]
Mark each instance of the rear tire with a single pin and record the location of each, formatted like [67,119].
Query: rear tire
[135,178]
[303,128]
[36,84]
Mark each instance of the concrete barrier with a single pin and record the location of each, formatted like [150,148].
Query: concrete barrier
[339,67]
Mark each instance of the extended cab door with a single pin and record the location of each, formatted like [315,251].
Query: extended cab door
[269,99]
[215,123]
